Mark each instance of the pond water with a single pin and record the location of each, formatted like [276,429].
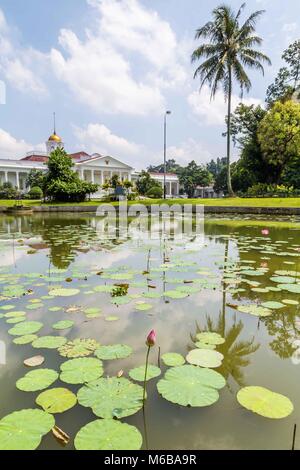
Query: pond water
[236,266]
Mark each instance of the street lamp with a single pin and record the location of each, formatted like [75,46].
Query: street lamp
[165,151]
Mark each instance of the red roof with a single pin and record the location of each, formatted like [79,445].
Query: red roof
[79,155]
[36,158]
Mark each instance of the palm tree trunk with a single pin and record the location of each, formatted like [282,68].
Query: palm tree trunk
[229,186]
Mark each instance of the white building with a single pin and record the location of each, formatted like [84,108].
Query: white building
[94,168]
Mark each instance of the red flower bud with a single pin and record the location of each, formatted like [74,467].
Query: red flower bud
[151,339]
[265,231]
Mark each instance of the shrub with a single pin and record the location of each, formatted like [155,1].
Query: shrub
[7,191]
[35,193]
[155,192]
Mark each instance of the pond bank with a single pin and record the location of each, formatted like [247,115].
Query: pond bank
[207,209]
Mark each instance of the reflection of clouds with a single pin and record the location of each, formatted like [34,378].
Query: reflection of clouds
[8,258]
[2,353]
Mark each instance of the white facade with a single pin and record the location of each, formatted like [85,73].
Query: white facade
[172,182]
[94,168]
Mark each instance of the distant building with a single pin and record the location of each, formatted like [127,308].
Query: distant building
[172,182]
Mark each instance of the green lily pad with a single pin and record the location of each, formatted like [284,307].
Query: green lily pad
[138,373]
[78,348]
[189,385]
[273,305]
[205,358]
[81,370]
[55,309]
[25,328]
[49,342]
[64,292]
[63,325]
[173,359]
[143,306]
[110,435]
[112,318]
[15,320]
[37,380]
[23,430]
[209,337]
[293,288]
[264,402]
[56,400]
[114,351]
[201,345]
[16,314]
[175,294]
[290,302]
[112,397]
[26,339]
[256,310]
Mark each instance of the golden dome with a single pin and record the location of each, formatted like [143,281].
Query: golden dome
[54,138]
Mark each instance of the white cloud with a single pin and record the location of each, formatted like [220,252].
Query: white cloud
[104,69]
[188,151]
[213,112]
[289,27]
[10,147]
[17,63]
[97,138]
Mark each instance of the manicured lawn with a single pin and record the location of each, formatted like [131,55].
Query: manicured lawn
[226,202]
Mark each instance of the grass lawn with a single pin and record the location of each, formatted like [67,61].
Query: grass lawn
[226,202]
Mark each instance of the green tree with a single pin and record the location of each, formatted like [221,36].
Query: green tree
[145,183]
[224,57]
[279,136]
[194,175]
[288,78]
[171,167]
[35,178]
[62,183]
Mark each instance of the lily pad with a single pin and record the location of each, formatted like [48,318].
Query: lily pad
[114,351]
[256,310]
[63,325]
[23,430]
[37,380]
[78,348]
[173,359]
[143,306]
[138,373]
[189,385]
[49,342]
[112,397]
[175,294]
[26,339]
[56,400]
[64,292]
[205,358]
[34,361]
[105,434]
[264,402]
[273,305]
[290,302]
[25,328]
[209,337]
[293,288]
[81,370]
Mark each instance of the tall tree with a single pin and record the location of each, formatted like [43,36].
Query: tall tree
[230,49]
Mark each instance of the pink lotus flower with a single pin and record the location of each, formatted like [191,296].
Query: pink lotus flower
[265,231]
[263,265]
[151,339]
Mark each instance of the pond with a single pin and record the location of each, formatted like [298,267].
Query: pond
[240,283]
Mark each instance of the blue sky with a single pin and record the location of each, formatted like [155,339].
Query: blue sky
[109,68]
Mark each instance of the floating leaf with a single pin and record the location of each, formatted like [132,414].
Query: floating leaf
[143,306]
[175,294]
[255,310]
[56,400]
[82,370]
[209,337]
[191,386]
[272,305]
[173,359]
[15,320]
[111,318]
[49,342]
[61,436]
[293,288]
[138,373]
[34,361]
[112,397]
[114,351]
[264,402]
[205,358]
[37,380]
[26,339]
[63,325]
[290,302]
[78,348]
[64,292]
[23,430]
[110,435]
[25,328]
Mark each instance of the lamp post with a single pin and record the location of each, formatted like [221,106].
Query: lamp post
[165,151]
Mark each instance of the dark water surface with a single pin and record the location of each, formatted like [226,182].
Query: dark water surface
[38,253]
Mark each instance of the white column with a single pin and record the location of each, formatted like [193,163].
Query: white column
[101,178]
[82,174]
[17,180]
[5,177]
[93,176]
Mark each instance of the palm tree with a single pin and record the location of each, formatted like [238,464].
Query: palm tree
[225,56]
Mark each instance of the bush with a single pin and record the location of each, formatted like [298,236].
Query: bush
[35,193]
[7,191]
[155,192]
[271,190]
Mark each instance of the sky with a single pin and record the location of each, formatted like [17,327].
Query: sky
[111,68]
